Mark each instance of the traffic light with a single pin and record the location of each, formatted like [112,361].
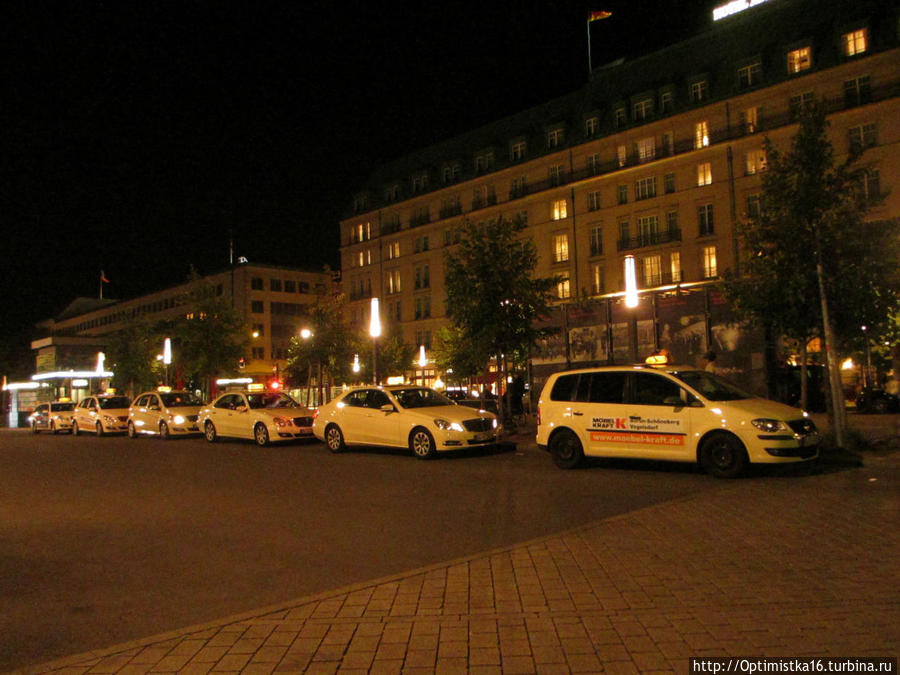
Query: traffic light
[241,363]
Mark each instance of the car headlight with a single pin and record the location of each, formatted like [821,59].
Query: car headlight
[447,425]
[768,425]
[281,421]
[495,423]
[178,419]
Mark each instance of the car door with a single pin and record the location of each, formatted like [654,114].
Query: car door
[139,413]
[659,417]
[223,412]
[354,417]
[382,426]
[597,410]
[84,415]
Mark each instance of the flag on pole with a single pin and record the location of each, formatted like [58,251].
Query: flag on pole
[596,16]
[103,278]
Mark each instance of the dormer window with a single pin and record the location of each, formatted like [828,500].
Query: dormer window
[517,150]
[419,182]
[555,138]
[450,173]
[699,91]
[392,193]
[591,126]
[856,42]
[484,162]
[799,60]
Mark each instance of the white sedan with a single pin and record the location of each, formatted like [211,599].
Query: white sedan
[261,415]
[164,413]
[400,416]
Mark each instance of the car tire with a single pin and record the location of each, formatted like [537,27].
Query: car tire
[334,438]
[99,429]
[209,432]
[723,455]
[566,449]
[75,429]
[164,431]
[261,435]
[421,443]
[132,431]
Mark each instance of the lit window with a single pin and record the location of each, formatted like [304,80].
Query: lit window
[855,42]
[393,282]
[561,248]
[645,188]
[750,76]
[562,289]
[710,268]
[750,120]
[597,285]
[621,155]
[643,109]
[705,219]
[393,250]
[517,151]
[591,126]
[646,149]
[558,209]
[756,161]
[701,135]
[699,91]
[675,265]
[652,271]
[799,60]
[704,174]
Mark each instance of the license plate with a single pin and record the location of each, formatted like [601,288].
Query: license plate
[482,436]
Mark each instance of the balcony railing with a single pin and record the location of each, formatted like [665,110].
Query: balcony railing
[650,239]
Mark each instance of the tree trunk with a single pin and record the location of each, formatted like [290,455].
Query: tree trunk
[804,371]
[838,418]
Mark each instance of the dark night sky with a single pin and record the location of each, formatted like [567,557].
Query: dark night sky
[136,134]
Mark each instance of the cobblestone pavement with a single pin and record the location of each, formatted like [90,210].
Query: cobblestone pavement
[781,564]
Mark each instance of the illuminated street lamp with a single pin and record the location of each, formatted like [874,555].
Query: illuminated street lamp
[167,357]
[423,361]
[374,331]
[356,363]
[631,291]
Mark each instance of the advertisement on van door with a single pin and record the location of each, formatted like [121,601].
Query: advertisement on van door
[636,429]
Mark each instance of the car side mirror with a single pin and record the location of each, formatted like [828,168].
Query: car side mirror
[240,408]
[388,408]
[154,407]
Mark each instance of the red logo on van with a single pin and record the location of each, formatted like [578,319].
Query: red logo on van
[620,423]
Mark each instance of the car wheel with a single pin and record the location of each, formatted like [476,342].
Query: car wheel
[723,456]
[421,442]
[75,430]
[132,432]
[566,449]
[99,428]
[261,434]
[209,430]
[334,438]
[34,428]
[164,431]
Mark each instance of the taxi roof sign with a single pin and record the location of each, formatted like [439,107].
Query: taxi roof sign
[659,358]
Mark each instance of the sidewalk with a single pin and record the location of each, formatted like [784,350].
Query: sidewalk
[778,565]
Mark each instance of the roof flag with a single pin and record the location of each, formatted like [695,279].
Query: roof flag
[596,16]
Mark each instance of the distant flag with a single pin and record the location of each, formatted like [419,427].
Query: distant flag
[103,278]
[596,16]
[593,16]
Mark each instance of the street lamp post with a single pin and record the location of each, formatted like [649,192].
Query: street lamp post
[423,361]
[374,332]
[167,357]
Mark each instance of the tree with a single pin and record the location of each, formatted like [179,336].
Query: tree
[131,355]
[492,297]
[211,339]
[813,263]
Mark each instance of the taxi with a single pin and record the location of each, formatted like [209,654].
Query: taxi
[102,414]
[164,413]
[264,416]
[54,417]
[668,412]
[402,416]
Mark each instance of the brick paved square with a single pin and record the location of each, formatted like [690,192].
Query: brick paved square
[484,656]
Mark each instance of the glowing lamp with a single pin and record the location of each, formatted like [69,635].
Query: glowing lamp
[167,351]
[374,320]
[356,363]
[422,360]
[631,292]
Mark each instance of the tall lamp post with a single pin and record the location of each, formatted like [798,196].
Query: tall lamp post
[423,361]
[167,357]
[374,332]
[631,301]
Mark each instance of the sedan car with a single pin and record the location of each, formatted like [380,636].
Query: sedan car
[417,418]
[54,417]
[879,401]
[164,414]
[261,415]
[103,414]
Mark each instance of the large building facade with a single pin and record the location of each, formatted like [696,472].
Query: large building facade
[657,158]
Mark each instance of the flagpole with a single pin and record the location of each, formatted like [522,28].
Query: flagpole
[590,69]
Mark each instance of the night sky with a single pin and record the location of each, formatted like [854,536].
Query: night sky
[136,135]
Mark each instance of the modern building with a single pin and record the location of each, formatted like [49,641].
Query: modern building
[657,158]
[274,302]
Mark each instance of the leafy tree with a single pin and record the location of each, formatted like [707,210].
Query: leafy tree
[395,357]
[211,340]
[493,299]
[453,354]
[131,355]
[813,263]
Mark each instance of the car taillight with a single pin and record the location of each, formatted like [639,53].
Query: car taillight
[315,413]
[539,416]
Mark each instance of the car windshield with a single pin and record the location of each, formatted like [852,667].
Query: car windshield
[114,402]
[269,400]
[420,397]
[711,387]
[62,407]
[180,399]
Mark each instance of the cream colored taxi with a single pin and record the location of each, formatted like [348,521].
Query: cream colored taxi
[668,412]
[164,413]
[103,414]
[53,417]
[264,416]
[400,416]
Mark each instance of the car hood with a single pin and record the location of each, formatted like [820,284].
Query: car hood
[452,413]
[185,410]
[283,412]
[759,407]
